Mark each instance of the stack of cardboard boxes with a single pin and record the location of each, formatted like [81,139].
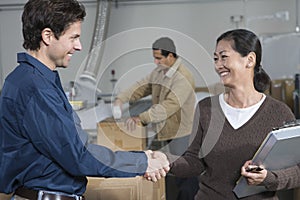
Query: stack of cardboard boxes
[282,90]
[114,135]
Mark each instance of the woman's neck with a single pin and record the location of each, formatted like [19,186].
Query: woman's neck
[239,99]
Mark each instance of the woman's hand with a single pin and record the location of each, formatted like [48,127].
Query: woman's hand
[254,174]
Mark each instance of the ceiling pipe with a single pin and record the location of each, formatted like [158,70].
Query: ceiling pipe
[297,29]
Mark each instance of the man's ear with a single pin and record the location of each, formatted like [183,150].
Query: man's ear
[170,56]
[47,35]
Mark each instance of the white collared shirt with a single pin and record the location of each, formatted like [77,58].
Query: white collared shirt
[237,117]
[171,71]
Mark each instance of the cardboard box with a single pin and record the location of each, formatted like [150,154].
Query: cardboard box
[213,89]
[283,90]
[137,188]
[5,196]
[115,136]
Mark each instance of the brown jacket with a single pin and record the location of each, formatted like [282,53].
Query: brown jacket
[173,100]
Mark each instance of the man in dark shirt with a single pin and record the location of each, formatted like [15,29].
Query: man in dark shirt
[44,153]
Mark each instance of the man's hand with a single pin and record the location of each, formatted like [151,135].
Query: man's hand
[119,103]
[158,165]
[254,177]
[117,109]
[132,122]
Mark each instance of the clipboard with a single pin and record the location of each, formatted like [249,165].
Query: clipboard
[279,150]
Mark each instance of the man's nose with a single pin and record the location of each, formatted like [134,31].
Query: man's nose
[78,45]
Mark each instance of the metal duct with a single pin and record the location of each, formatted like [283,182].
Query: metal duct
[100,33]
[86,83]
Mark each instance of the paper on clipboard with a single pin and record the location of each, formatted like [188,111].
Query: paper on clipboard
[279,150]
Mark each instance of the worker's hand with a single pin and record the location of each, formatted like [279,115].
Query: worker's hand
[119,103]
[158,165]
[253,173]
[117,109]
[132,122]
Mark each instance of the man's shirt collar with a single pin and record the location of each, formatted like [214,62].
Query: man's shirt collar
[35,63]
[171,71]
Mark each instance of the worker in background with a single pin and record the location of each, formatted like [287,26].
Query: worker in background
[171,86]
[44,151]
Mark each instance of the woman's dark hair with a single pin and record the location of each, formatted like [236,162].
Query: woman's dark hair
[244,41]
[57,15]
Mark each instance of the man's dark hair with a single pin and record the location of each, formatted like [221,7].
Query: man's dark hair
[56,15]
[166,45]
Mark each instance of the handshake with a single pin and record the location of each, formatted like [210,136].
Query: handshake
[158,165]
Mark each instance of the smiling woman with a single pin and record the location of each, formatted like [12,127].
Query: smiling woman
[229,127]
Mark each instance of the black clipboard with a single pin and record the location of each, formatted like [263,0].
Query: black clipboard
[279,150]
